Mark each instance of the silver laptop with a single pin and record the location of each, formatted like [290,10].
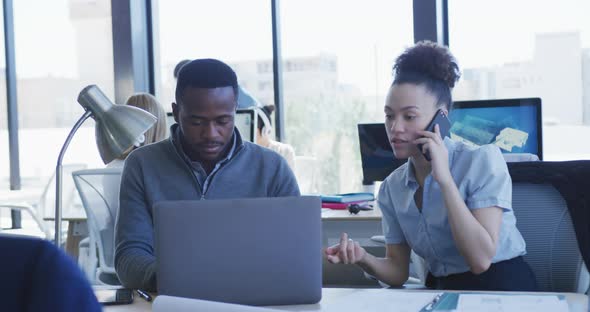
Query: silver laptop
[256,251]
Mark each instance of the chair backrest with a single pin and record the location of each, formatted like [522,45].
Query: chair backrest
[99,191]
[70,198]
[544,221]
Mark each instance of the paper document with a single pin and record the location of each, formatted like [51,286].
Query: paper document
[381,300]
[177,304]
[521,303]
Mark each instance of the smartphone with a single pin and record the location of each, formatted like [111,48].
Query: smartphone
[444,124]
[114,296]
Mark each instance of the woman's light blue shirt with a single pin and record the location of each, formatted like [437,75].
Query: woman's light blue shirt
[482,177]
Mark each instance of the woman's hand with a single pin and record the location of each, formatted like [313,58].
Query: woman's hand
[346,252]
[433,144]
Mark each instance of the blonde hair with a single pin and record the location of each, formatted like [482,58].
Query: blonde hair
[150,104]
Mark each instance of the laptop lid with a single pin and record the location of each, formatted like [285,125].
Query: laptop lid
[255,251]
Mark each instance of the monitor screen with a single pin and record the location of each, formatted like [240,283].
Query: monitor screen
[169,122]
[244,121]
[246,124]
[514,125]
[377,156]
[170,119]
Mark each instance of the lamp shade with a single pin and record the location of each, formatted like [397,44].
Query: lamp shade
[118,127]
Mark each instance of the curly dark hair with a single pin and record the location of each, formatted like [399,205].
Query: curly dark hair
[431,65]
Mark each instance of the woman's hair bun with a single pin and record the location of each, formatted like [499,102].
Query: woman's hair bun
[430,59]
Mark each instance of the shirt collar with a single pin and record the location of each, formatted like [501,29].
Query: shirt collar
[410,177]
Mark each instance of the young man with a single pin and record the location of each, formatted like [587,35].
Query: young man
[204,158]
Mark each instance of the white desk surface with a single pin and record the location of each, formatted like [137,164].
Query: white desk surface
[327,215]
[377,300]
[29,195]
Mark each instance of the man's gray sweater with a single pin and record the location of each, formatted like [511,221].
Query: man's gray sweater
[158,172]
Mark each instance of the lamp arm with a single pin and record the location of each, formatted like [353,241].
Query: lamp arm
[58,176]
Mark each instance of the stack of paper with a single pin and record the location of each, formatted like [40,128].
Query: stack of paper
[348,197]
[343,201]
[521,303]
[177,304]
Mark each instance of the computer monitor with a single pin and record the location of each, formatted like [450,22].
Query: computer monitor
[244,121]
[170,119]
[377,156]
[514,125]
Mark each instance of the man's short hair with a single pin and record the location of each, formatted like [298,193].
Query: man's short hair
[207,74]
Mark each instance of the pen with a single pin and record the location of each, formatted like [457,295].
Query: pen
[144,295]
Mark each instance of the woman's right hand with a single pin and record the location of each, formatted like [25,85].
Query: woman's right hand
[346,252]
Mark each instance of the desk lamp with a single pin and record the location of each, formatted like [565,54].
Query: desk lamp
[117,128]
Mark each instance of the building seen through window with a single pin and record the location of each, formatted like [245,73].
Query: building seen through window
[53,64]
[545,55]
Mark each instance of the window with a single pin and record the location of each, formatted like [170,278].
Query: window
[4,154]
[234,31]
[337,71]
[61,47]
[506,51]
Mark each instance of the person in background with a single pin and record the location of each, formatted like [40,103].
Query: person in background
[38,276]
[264,137]
[156,133]
[204,158]
[111,183]
[455,211]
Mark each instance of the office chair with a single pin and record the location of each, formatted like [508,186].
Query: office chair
[99,191]
[545,223]
[544,219]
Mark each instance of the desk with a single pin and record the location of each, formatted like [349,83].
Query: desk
[77,230]
[376,300]
[359,227]
[28,195]
[17,200]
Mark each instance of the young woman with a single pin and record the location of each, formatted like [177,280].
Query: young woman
[156,133]
[454,210]
[264,137]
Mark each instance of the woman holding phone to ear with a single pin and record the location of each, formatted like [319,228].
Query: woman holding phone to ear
[455,211]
